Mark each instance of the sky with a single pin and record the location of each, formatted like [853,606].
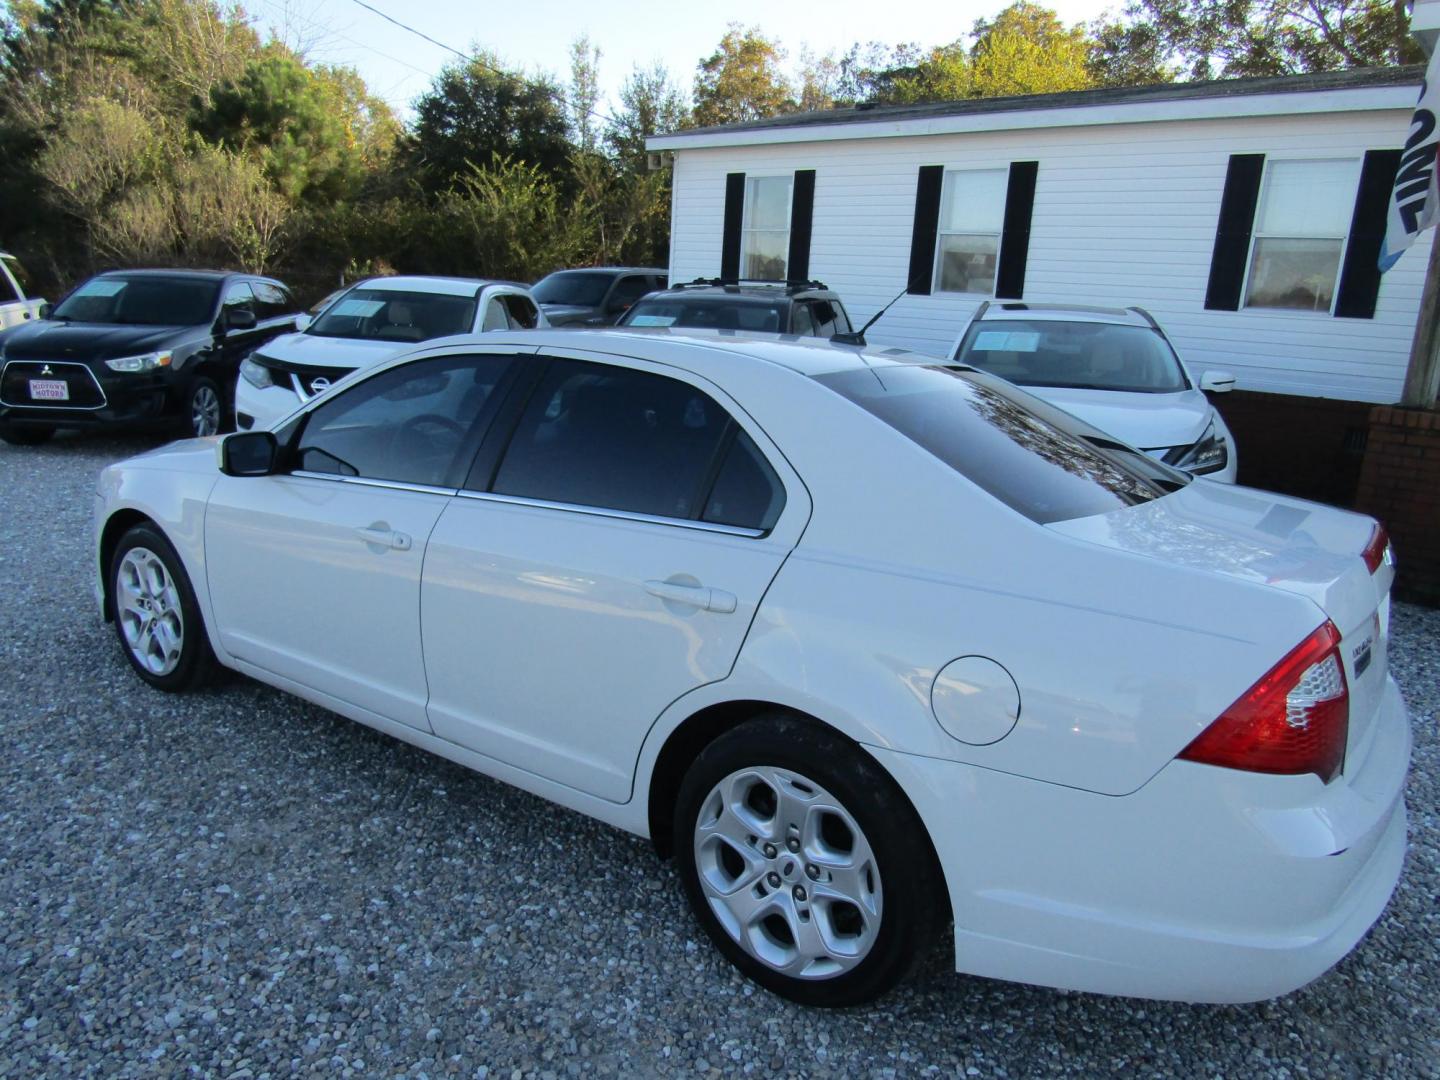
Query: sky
[536,35]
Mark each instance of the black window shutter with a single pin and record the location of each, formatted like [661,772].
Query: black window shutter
[927,224]
[1360,277]
[802,212]
[1232,233]
[734,218]
[1015,240]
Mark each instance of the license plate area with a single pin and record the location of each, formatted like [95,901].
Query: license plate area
[49,390]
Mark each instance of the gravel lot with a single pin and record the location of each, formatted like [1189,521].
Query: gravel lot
[240,884]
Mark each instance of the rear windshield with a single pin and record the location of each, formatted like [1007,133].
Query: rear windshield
[721,313]
[393,315]
[151,300]
[1034,458]
[1078,355]
[583,288]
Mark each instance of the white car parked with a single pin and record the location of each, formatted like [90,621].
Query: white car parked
[868,642]
[373,320]
[1115,369]
[15,306]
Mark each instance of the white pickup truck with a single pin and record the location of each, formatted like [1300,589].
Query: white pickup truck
[15,307]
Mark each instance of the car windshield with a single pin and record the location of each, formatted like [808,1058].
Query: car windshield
[151,300]
[1077,355]
[582,288]
[718,313]
[395,315]
[1036,459]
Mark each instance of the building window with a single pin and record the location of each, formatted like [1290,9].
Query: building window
[1299,237]
[765,236]
[972,216]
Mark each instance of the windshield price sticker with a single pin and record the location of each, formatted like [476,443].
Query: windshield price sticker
[100,288]
[652,320]
[359,309]
[1006,341]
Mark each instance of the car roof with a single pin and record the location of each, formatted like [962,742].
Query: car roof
[179,272]
[428,283]
[705,352]
[610,270]
[1065,313]
[758,292]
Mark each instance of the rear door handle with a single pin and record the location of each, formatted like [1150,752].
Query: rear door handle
[390,538]
[700,596]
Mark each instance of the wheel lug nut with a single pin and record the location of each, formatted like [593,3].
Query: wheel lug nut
[774,880]
[793,844]
[812,872]
[769,850]
[800,893]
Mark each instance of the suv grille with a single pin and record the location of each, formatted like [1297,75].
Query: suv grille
[82,389]
[302,378]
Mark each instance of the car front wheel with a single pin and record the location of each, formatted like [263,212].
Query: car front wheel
[805,863]
[156,616]
[205,406]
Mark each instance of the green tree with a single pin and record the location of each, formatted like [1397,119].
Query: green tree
[1128,55]
[1026,49]
[741,80]
[583,98]
[649,105]
[474,113]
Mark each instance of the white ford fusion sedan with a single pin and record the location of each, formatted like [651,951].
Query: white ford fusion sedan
[871,644]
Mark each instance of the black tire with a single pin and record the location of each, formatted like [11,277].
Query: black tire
[25,436]
[194,662]
[206,399]
[913,904]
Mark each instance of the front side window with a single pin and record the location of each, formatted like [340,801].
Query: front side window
[395,315]
[522,311]
[406,424]
[618,439]
[495,317]
[972,216]
[11,289]
[765,235]
[1037,460]
[238,297]
[627,291]
[582,288]
[142,300]
[271,301]
[1079,355]
[1299,237]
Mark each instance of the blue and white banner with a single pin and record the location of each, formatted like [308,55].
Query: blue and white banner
[1415,199]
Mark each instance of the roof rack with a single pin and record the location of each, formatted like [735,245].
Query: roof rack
[1147,317]
[790,284]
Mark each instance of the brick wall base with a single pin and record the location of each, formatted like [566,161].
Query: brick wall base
[1308,447]
[1400,485]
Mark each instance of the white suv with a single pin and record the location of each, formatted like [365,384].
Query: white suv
[15,306]
[370,322]
[1113,368]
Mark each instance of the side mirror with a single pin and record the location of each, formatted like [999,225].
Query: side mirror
[248,453]
[1217,382]
[238,318]
[45,309]
[302,321]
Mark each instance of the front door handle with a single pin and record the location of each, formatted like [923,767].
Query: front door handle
[383,537]
[700,596]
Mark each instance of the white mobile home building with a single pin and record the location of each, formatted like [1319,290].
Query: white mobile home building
[1246,215]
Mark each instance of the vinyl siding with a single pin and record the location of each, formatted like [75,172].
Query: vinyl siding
[1124,214]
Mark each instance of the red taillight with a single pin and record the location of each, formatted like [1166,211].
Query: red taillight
[1374,553]
[1294,720]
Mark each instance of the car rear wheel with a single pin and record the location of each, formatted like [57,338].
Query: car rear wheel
[205,407]
[156,616]
[805,863]
[25,436]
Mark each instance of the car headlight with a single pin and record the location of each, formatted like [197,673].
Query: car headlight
[257,375]
[1207,455]
[146,362]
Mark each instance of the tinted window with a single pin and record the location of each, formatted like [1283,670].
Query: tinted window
[1085,355]
[800,320]
[495,317]
[829,318]
[584,288]
[406,424]
[395,315]
[523,313]
[747,493]
[595,435]
[7,290]
[150,300]
[238,297]
[271,301]
[1038,460]
[17,271]
[627,291]
[720,314]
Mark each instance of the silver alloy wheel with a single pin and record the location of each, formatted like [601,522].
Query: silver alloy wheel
[147,603]
[788,872]
[204,410]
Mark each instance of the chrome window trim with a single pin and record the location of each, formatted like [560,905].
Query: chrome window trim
[606,512]
[104,398]
[365,481]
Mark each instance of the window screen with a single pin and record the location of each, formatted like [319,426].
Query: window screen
[765,240]
[1300,229]
[972,216]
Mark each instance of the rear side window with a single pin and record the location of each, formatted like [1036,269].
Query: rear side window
[747,493]
[829,318]
[611,437]
[1036,459]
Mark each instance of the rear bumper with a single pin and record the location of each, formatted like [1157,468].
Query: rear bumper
[1206,885]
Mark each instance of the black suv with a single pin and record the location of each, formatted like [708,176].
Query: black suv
[806,308]
[138,347]
[594,297]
